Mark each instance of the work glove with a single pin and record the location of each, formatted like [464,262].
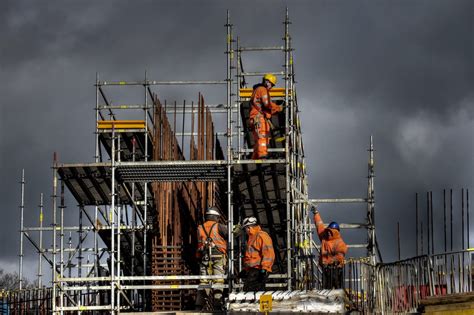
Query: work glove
[314,210]
[237,230]
[256,124]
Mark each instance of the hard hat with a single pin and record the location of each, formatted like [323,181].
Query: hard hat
[271,78]
[212,211]
[249,221]
[333,225]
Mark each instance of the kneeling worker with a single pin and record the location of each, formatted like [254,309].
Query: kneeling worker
[333,251]
[259,256]
[212,253]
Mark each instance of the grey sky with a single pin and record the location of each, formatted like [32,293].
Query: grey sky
[402,71]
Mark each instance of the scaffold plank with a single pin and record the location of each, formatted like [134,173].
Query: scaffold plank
[90,184]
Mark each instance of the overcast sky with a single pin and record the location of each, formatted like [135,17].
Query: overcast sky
[402,71]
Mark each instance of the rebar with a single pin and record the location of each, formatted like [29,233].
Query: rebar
[416,225]
[40,251]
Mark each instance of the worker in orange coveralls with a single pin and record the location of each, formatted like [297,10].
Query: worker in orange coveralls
[259,256]
[333,251]
[261,112]
[212,254]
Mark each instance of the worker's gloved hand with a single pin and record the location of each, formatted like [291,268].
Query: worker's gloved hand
[262,275]
[237,230]
[314,210]
[256,124]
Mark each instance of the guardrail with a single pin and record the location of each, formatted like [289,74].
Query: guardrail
[401,285]
[26,301]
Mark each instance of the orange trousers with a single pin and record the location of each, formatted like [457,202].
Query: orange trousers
[261,135]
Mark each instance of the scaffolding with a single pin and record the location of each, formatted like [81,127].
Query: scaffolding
[143,197]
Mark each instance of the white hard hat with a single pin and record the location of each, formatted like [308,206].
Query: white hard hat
[249,221]
[212,211]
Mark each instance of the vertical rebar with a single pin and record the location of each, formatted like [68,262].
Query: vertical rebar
[22,210]
[422,245]
[462,218]
[398,239]
[468,221]
[451,216]
[182,128]
[40,252]
[444,215]
[428,221]
[416,224]
[432,224]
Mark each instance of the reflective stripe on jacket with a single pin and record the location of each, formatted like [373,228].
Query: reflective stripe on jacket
[261,103]
[333,248]
[212,229]
[259,253]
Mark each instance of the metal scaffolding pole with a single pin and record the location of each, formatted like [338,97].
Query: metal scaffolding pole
[145,210]
[112,225]
[40,251]
[371,204]
[287,157]
[134,221]
[22,210]
[97,160]
[238,84]
[53,267]
[61,241]
[230,210]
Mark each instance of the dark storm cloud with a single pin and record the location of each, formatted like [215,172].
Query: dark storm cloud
[401,71]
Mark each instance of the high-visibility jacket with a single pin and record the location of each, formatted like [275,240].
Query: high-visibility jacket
[211,229]
[261,103]
[259,253]
[333,248]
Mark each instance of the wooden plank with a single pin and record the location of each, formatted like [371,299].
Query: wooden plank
[448,299]
[452,309]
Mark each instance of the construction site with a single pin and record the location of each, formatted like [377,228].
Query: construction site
[158,166]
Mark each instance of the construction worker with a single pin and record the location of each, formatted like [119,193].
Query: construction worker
[259,256]
[333,251]
[212,254]
[261,111]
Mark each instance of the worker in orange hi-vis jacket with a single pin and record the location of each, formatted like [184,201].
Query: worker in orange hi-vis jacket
[261,111]
[259,256]
[333,251]
[212,255]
